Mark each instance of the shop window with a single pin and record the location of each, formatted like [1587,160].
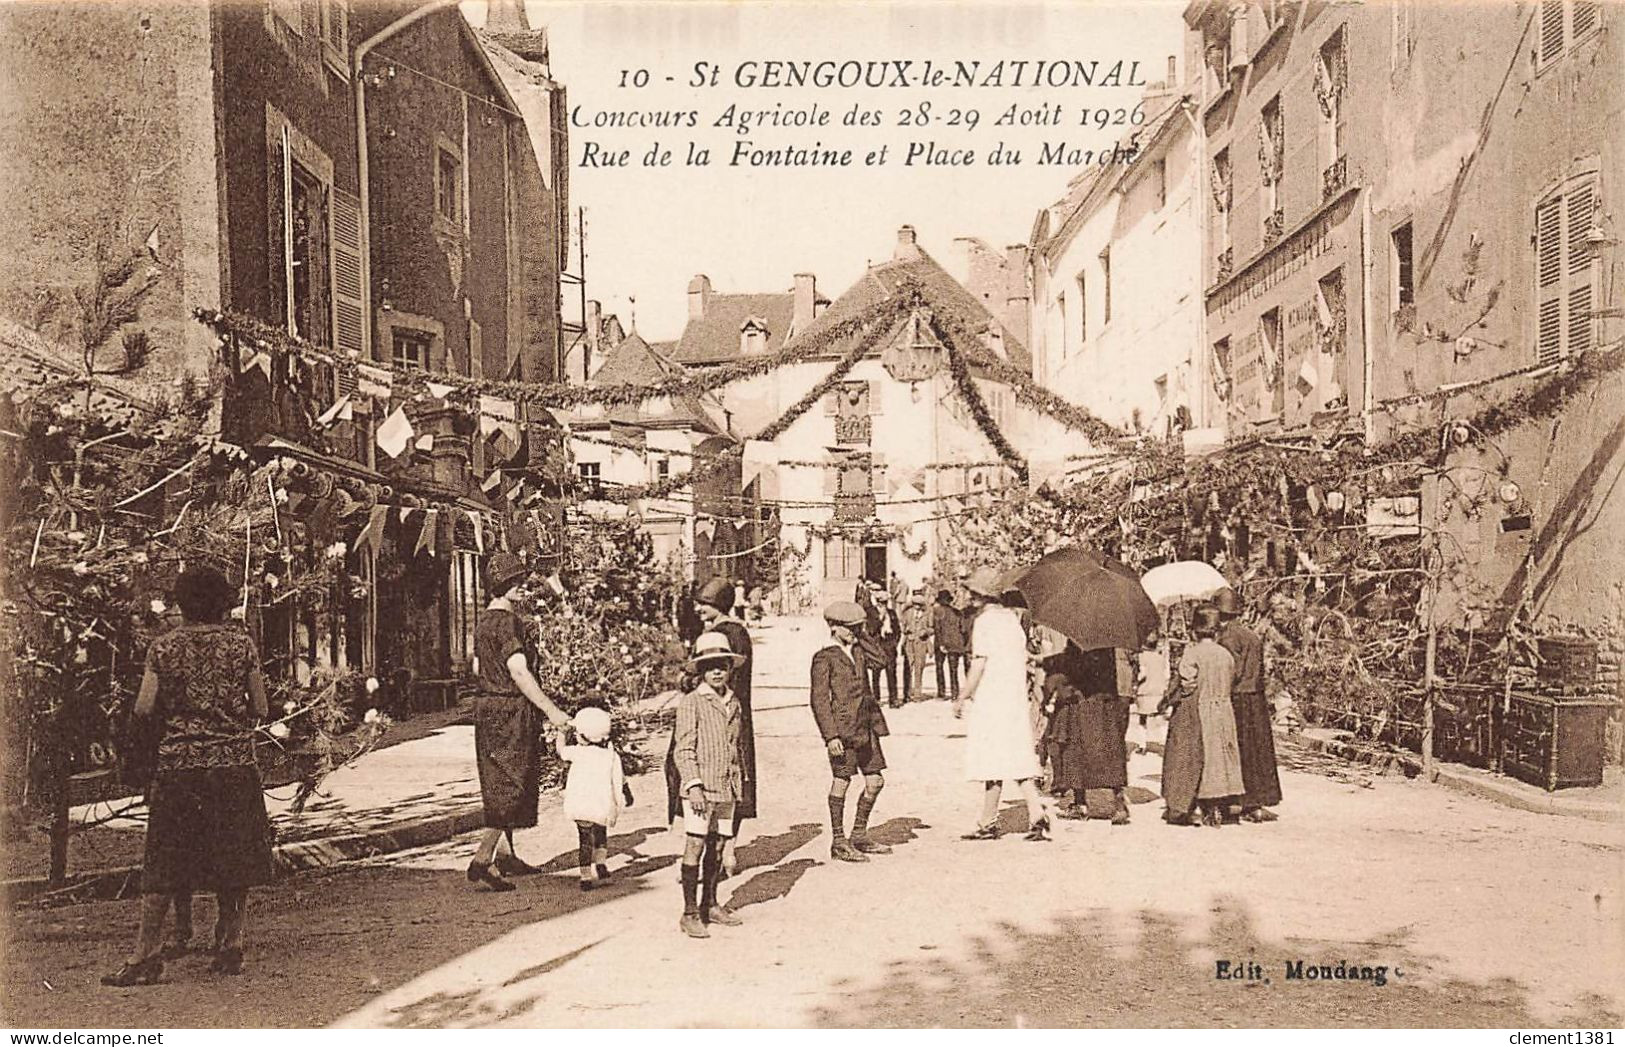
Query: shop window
[1565,270]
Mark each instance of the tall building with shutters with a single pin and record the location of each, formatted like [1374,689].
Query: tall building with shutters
[1415,209]
[363,176]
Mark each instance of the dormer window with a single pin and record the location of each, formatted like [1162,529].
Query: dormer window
[753,336]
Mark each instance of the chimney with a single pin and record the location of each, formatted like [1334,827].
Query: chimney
[506,16]
[1018,291]
[806,294]
[699,296]
[907,249]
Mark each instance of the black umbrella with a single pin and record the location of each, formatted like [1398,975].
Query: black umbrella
[1092,599]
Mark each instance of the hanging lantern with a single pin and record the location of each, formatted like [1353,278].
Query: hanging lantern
[917,356]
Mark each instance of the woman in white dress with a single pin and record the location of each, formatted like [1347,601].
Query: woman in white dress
[999,741]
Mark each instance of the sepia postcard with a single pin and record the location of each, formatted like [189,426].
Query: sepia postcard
[733,515]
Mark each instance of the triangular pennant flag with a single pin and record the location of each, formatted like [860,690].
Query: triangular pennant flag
[504,446]
[406,513]
[373,534]
[555,583]
[439,390]
[329,416]
[425,443]
[411,531]
[479,530]
[373,381]
[431,523]
[394,434]
[705,526]
[492,482]
[515,491]
[152,243]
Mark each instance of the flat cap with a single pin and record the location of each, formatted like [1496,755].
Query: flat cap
[844,612]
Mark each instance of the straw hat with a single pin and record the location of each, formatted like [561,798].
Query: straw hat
[713,647]
[985,581]
[591,723]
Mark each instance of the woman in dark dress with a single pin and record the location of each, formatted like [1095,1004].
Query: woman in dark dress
[717,610]
[507,746]
[1086,732]
[206,826]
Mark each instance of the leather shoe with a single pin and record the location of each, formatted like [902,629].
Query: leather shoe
[723,915]
[693,926]
[843,851]
[868,846]
[478,873]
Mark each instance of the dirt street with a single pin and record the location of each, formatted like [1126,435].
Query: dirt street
[1481,915]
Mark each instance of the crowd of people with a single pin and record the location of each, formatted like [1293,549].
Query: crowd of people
[1039,713]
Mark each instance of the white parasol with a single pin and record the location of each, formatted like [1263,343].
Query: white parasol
[1185,580]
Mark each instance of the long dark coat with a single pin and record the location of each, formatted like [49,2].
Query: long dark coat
[740,681]
[1087,729]
[1254,733]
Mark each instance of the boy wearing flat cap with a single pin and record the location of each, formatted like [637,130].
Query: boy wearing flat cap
[706,751]
[851,723]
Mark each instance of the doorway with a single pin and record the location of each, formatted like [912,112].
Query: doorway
[874,563]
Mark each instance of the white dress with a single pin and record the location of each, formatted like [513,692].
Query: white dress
[999,743]
[592,789]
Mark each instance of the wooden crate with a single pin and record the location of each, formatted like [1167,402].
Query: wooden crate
[1568,664]
[1554,742]
[1463,724]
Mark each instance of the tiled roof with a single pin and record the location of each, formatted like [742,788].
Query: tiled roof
[714,337]
[29,363]
[937,286]
[636,362]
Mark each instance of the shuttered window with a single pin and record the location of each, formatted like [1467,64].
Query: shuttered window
[1565,270]
[1564,23]
[349,305]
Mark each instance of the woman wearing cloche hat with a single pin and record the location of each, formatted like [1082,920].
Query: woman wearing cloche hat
[506,746]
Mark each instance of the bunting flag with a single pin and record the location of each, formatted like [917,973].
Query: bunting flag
[431,524]
[341,411]
[479,530]
[424,443]
[503,446]
[395,433]
[757,456]
[516,491]
[411,534]
[247,359]
[373,381]
[555,583]
[445,534]
[438,390]
[372,535]
[705,526]
[492,482]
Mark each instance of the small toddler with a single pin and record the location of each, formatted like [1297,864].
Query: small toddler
[594,791]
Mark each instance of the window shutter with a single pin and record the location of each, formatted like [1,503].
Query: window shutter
[1580,204]
[874,397]
[832,477]
[832,402]
[1551,30]
[1580,319]
[1585,18]
[338,25]
[1548,280]
[349,307]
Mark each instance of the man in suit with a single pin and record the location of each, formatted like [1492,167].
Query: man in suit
[1254,732]
[851,723]
[888,636]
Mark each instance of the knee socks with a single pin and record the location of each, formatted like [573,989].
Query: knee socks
[711,865]
[586,841]
[866,804]
[691,884]
[837,815]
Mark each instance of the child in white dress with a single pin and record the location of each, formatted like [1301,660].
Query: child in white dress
[594,792]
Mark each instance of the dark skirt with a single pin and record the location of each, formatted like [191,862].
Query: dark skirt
[1085,743]
[1182,759]
[1256,738]
[508,752]
[206,831]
